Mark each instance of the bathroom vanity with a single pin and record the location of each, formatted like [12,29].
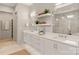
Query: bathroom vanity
[52,43]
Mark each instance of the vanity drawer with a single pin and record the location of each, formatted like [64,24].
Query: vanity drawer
[50,47]
[36,42]
[63,49]
[27,38]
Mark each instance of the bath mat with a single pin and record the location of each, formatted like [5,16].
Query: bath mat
[21,52]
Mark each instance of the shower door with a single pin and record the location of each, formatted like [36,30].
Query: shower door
[0,30]
[5,29]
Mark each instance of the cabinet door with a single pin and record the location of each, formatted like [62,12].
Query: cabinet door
[46,48]
[51,47]
[66,49]
[27,38]
[35,42]
[57,48]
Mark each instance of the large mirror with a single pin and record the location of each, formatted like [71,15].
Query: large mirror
[67,23]
[65,20]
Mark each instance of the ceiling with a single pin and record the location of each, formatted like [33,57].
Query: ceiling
[14,4]
[34,4]
[8,4]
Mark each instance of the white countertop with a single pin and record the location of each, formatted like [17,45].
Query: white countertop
[70,39]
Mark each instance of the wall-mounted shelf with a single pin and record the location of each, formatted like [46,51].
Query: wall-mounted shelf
[43,25]
[46,25]
[44,21]
[44,15]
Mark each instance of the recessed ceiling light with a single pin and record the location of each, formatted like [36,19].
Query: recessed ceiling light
[29,4]
[58,3]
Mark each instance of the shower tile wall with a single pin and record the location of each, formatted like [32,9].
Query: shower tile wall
[62,23]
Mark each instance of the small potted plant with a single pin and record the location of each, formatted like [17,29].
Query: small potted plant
[46,11]
[37,22]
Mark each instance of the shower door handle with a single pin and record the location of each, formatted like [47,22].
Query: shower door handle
[1,25]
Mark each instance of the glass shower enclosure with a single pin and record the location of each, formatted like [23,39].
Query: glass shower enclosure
[6,29]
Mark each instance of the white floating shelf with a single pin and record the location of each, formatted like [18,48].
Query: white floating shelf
[44,24]
[44,15]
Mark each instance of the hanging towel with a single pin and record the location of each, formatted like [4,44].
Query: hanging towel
[5,25]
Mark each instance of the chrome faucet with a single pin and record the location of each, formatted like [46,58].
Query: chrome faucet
[63,35]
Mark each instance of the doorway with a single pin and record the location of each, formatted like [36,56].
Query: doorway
[6,26]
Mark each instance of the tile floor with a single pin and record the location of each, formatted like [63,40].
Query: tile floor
[21,52]
[8,46]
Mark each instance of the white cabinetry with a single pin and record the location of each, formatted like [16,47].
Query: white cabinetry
[27,38]
[35,42]
[66,49]
[47,46]
[56,48]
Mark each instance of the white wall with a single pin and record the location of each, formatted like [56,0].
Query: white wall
[40,7]
[6,9]
[22,19]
